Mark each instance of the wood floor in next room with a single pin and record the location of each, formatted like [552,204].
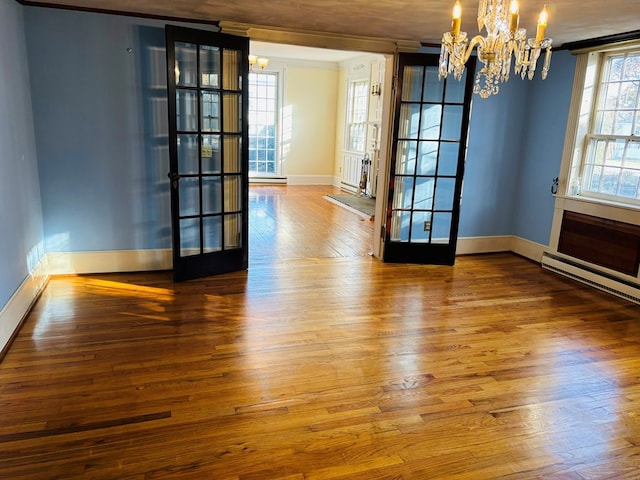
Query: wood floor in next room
[326,367]
[297,222]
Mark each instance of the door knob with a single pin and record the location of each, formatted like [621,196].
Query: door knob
[174,176]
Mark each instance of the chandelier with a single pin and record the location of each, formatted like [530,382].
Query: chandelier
[503,45]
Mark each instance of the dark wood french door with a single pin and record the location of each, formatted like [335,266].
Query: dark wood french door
[429,142]
[208,111]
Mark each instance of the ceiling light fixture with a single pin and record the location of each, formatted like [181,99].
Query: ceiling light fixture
[260,61]
[505,43]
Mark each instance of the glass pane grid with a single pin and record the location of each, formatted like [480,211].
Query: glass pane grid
[612,168]
[263,114]
[427,153]
[208,84]
[611,165]
[357,115]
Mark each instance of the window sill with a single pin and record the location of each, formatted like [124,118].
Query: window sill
[600,201]
[597,207]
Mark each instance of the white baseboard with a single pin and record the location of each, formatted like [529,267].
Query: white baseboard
[501,243]
[471,245]
[310,179]
[267,180]
[527,248]
[110,261]
[593,275]
[19,305]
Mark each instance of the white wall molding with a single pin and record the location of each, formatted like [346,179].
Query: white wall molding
[110,261]
[528,249]
[501,243]
[471,245]
[268,180]
[20,303]
[310,179]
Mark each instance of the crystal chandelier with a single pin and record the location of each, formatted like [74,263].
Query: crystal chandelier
[505,43]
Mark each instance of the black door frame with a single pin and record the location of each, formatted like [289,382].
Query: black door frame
[426,253]
[225,260]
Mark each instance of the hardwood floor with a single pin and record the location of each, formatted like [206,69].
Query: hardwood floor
[297,222]
[325,368]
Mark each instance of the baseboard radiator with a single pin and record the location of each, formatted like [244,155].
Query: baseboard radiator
[592,276]
[600,252]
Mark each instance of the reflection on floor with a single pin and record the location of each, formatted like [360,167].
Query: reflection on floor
[287,222]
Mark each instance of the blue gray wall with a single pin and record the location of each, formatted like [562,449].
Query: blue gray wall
[21,237]
[496,131]
[542,143]
[515,149]
[99,95]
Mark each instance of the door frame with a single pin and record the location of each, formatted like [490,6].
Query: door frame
[383,212]
[224,260]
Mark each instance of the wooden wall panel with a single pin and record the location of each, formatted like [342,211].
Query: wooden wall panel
[609,243]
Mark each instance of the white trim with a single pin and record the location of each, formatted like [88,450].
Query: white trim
[267,180]
[20,303]
[501,243]
[310,179]
[588,206]
[579,109]
[598,277]
[472,245]
[527,248]
[110,261]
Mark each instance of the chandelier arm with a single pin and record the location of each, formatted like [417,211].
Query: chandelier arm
[477,41]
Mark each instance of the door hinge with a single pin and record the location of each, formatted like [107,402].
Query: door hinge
[383,231]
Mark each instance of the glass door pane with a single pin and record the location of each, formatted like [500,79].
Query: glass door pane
[429,141]
[208,132]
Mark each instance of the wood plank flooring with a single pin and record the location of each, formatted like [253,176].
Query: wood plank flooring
[297,222]
[328,367]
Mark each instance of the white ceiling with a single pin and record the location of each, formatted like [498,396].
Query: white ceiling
[413,20]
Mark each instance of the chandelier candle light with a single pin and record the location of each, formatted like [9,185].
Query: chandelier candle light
[505,43]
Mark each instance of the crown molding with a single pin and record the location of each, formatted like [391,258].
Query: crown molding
[306,38]
[44,4]
[598,42]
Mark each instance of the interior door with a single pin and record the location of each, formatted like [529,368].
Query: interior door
[208,148]
[427,162]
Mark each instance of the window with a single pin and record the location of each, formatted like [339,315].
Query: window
[611,161]
[357,116]
[263,115]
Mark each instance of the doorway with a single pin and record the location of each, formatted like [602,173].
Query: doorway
[311,141]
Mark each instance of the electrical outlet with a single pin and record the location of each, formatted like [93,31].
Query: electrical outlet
[427,225]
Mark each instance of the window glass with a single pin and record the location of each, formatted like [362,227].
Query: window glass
[263,121]
[357,115]
[611,163]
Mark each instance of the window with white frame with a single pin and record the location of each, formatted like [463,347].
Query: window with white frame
[610,166]
[263,123]
[358,105]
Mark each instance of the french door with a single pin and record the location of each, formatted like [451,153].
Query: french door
[427,162]
[208,149]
